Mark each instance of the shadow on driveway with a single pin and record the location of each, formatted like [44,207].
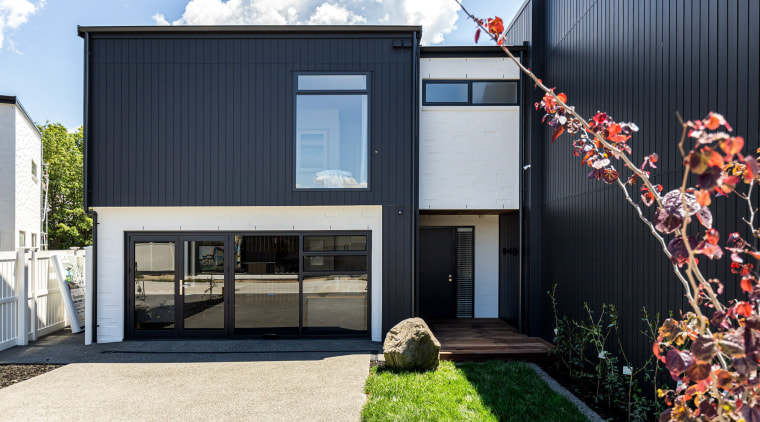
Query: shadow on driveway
[64,348]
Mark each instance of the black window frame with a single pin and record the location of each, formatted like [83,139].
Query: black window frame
[469,82]
[366,91]
[230,331]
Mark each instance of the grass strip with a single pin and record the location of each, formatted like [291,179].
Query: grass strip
[490,391]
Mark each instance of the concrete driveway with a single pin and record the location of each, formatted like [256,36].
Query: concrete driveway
[261,380]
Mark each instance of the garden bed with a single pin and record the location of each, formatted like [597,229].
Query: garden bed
[12,374]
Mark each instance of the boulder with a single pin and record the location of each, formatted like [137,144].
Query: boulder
[411,345]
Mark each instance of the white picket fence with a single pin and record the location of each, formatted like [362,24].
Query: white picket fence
[38,281]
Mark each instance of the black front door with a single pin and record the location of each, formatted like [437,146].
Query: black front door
[438,272]
[176,286]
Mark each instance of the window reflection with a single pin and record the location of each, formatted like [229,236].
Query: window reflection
[335,303]
[331,141]
[154,286]
[266,284]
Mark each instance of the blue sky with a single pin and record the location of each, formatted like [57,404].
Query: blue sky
[41,56]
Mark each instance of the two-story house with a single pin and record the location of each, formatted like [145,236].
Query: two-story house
[21,173]
[297,181]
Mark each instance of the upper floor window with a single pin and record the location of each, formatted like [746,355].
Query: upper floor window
[469,92]
[332,145]
[34,170]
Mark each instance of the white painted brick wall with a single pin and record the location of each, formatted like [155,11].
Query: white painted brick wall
[469,156]
[28,188]
[486,257]
[113,222]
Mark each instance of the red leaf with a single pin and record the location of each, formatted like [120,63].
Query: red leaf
[732,146]
[748,284]
[610,176]
[712,236]
[557,132]
[703,197]
[713,121]
[562,97]
[698,371]
[744,309]
[477,35]
[495,26]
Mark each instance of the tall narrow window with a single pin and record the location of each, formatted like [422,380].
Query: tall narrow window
[332,145]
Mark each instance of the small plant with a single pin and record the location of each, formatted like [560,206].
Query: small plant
[591,352]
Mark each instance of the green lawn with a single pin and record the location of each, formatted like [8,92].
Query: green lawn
[491,391]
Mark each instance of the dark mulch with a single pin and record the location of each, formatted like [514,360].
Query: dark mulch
[582,392]
[11,374]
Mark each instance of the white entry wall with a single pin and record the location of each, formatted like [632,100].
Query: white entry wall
[486,257]
[113,222]
[469,154]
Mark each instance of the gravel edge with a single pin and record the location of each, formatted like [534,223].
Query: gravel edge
[554,385]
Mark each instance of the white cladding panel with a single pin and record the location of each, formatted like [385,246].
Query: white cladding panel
[113,222]
[469,155]
[8,235]
[28,186]
[486,257]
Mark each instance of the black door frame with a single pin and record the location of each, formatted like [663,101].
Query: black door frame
[179,331]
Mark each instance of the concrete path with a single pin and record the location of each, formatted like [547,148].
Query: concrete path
[261,380]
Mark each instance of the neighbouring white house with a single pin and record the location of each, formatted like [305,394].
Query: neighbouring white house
[20,177]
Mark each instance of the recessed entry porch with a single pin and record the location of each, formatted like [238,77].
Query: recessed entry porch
[469,265]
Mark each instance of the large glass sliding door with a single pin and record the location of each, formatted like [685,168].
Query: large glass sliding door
[202,286]
[176,286]
[290,284]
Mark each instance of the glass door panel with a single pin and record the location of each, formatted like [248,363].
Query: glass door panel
[154,287]
[335,304]
[202,285]
[266,284]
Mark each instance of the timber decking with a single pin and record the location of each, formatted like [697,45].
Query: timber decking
[479,339]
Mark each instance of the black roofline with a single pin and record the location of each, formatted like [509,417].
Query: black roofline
[11,99]
[196,29]
[469,51]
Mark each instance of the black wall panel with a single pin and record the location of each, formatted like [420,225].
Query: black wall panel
[640,61]
[509,267]
[199,120]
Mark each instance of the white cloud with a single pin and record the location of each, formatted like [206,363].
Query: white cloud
[438,17]
[159,19]
[13,14]
[331,14]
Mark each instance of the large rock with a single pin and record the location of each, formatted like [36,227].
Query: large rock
[411,345]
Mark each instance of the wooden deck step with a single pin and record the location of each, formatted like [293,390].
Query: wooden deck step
[480,339]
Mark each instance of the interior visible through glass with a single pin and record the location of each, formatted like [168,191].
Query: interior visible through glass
[266,284]
[203,285]
[331,141]
[154,285]
[454,92]
[335,303]
[500,92]
[334,243]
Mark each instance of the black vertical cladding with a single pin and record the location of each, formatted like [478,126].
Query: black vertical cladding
[640,61]
[509,267]
[205,118]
